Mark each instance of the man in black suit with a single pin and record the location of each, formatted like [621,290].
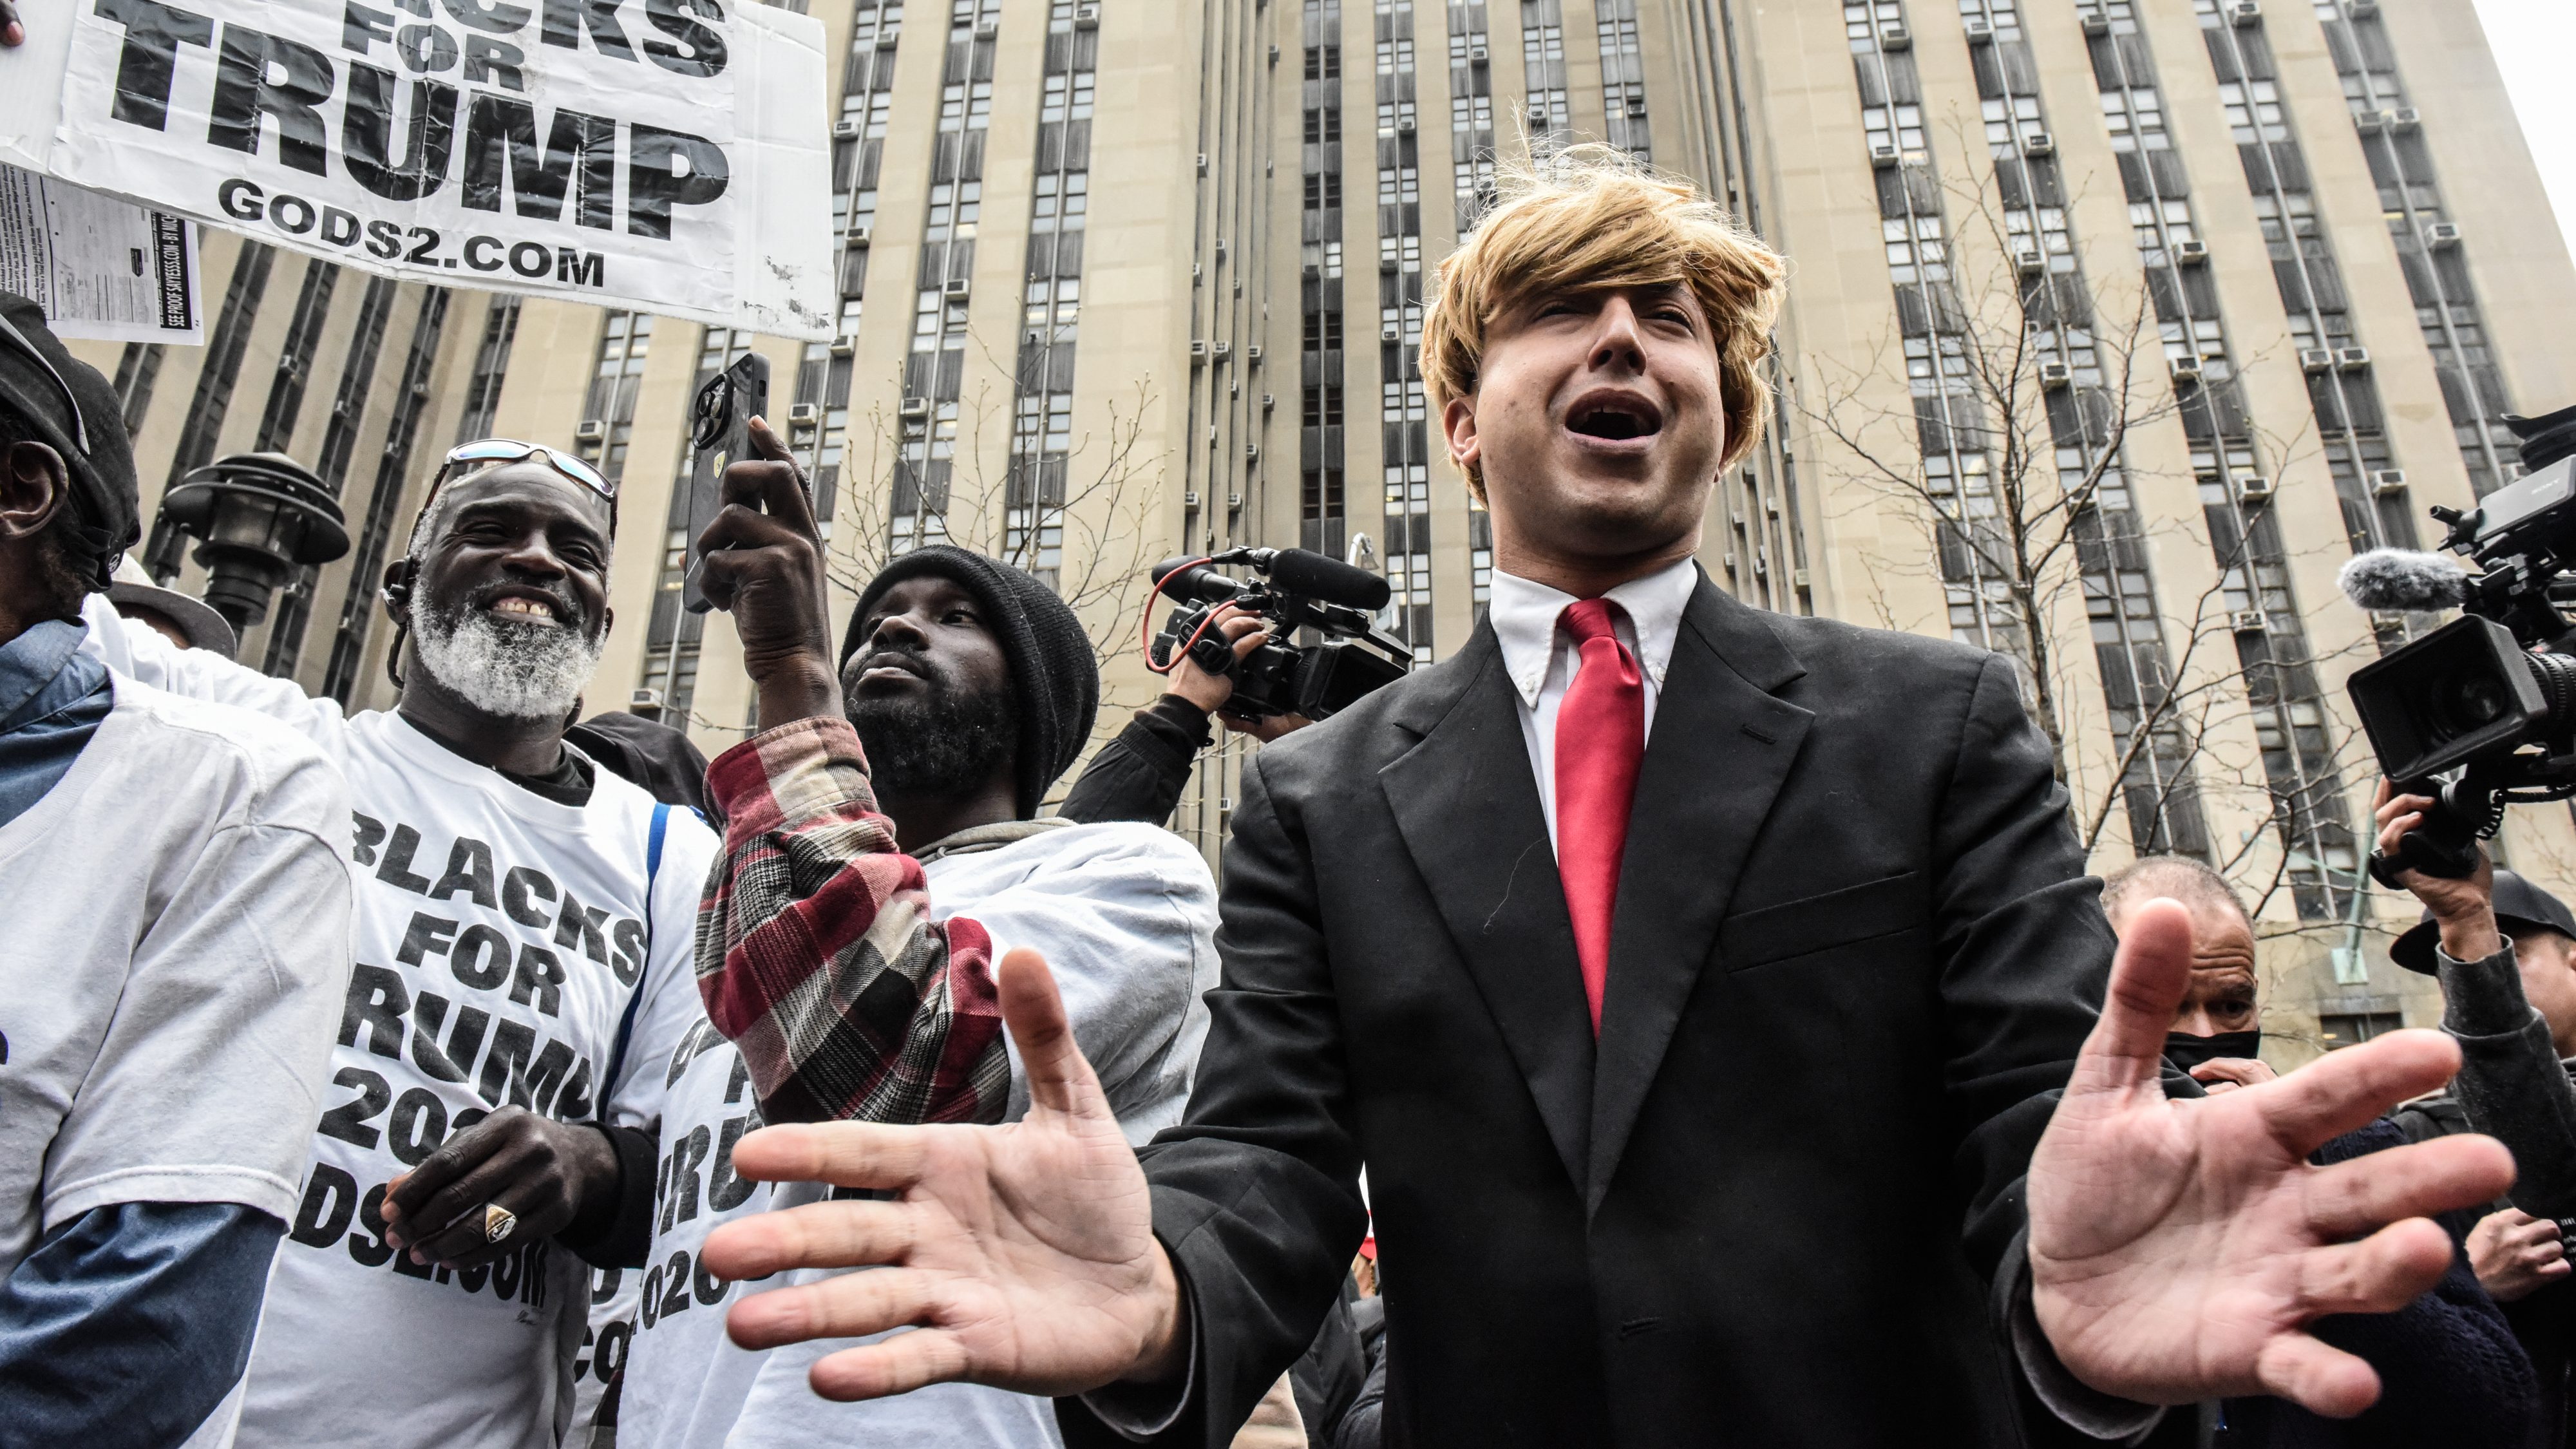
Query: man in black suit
[1693,983]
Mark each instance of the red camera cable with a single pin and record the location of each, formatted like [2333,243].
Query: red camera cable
[1146,624]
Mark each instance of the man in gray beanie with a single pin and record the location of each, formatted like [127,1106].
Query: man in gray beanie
[1019,715]
[969,688]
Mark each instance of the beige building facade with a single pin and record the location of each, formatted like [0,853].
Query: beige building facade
[2115,329]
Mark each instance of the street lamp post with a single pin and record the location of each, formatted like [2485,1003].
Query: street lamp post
[260,516]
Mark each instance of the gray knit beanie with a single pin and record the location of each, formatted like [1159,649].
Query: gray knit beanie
[1052,664]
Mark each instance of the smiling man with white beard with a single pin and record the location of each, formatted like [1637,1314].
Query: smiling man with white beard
[519,668]
[523,941]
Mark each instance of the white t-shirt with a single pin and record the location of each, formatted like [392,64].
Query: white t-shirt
[175,956]
[1126,915]
[597,1369]
[500,937]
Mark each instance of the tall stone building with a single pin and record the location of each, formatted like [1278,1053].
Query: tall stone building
[2115,328]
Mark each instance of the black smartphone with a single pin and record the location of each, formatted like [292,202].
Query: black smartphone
[720,431]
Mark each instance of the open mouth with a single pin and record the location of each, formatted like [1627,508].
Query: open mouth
[1614,417]
[527,609]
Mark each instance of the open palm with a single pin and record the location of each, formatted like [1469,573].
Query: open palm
[2178,1249]
[1024,1254]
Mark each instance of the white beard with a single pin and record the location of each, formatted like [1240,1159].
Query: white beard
[516,671]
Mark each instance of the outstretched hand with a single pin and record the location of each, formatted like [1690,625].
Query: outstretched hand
[2178,1250]
[1024,1254]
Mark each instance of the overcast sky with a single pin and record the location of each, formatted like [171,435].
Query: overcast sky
[2535,44]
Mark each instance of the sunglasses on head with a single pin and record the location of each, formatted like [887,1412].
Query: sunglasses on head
[491,452]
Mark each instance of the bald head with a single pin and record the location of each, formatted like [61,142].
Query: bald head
[2222,994]
[2178,877]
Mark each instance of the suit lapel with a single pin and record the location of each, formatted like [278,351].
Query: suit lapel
[1468,808]
[1720,748]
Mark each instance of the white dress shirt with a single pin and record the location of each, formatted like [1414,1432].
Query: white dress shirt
[1541,658]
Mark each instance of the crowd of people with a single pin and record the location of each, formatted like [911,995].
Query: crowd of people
[1715,1003]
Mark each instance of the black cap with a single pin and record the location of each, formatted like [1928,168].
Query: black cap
[2520,907]
[63,403]
[1052,663]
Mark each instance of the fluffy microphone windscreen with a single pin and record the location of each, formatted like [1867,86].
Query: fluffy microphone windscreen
[2397,578]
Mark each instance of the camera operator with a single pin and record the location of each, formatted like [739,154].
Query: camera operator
[1140,774]
[2499,942]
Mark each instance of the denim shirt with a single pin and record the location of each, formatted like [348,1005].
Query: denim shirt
[52,699]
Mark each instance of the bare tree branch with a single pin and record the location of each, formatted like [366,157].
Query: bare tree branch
[1997,411]
[1113,481]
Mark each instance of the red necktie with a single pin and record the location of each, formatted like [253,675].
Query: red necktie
[1600,738]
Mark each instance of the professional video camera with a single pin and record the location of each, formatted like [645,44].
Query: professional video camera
[1298,590]
[2480,714]
[2489,699]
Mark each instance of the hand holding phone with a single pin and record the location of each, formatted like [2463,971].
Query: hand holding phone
[764,565]
[720,431]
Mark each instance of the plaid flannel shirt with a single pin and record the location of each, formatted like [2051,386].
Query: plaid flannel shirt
[817,956]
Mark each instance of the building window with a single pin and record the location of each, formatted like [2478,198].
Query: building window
[1322,502]
[1543,76]
[608,418]
[2437,277]
[2351,1029]
[205,421]
[295,359]
[935,368]
[374,537]
[491,365]
[294,609]
[1623,78]
[858,150]
[137,369]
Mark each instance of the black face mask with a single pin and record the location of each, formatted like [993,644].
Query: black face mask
[2186,1051]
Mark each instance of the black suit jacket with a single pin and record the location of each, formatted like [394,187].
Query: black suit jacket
[1854,950]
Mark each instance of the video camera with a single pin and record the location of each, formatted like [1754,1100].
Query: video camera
[2489,699]
[1297,590]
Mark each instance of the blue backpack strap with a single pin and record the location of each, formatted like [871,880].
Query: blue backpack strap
[644,968]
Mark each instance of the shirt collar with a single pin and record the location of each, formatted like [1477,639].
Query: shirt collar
[31,661]
[1524,616]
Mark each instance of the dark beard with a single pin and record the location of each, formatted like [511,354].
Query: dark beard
[937,745]
[66,581]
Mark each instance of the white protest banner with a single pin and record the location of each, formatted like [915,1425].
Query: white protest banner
[102,269]
[667,155]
